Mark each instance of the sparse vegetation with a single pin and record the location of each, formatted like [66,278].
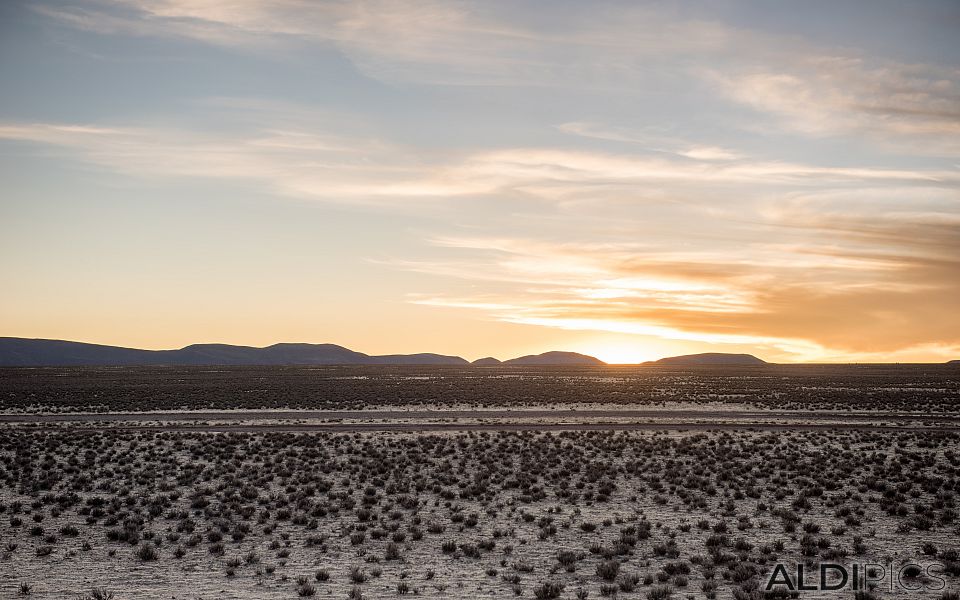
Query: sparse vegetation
[932,389]
[598,513]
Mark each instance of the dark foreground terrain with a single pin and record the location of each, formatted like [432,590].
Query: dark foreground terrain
[899,388]
[645,483]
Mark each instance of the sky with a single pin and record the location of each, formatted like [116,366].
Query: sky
[630,180]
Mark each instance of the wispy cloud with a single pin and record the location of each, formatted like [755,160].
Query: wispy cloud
[557,165]
[886,101]
[307,163]
[802,87]
[653,140]
[448,42]
[295,163]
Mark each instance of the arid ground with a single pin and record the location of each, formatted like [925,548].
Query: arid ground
[378,482]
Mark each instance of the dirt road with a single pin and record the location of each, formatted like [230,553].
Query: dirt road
[438,415]
[489,426]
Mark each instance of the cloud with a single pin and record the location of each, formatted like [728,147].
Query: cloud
[439,42]
[307,160]
[519,165]
[297,163]
[803,88]
[651,140]
[907,107]
[846,298]
[921,222]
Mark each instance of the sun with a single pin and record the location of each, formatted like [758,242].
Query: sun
[621,353]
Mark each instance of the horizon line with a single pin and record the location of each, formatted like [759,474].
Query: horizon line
[605,363]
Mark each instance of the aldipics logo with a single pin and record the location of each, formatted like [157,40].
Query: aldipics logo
[892,577]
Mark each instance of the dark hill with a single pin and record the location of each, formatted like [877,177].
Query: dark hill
[489,361]
[19,352]
[710,358]
[277,354]
[555,358]
[416,359]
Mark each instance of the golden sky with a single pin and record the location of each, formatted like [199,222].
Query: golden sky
[627,180]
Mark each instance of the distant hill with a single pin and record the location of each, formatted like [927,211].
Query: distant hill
[486,362]
[953,362]
[555,358]
[20,352]
[416,359]
[277,354]
[710,358]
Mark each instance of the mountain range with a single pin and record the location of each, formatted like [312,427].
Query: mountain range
[23,352]
[30,352]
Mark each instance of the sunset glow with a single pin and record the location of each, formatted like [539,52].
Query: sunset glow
[622,354]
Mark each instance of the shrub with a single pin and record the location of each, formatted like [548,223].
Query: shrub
[627,583]
[548,590]
[660,592]
[392,552]
[305,589]
[608,569]
[146,552]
